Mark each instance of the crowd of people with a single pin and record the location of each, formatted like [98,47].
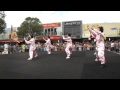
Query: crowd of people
[76,46]
[113,46]
[13,48]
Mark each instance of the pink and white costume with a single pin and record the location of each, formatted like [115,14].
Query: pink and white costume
[32,49]
[92,36]
[48,45]
[68,46]
[100,46]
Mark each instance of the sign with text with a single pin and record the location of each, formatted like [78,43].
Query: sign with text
[51,25]
[114,29]
[72,23]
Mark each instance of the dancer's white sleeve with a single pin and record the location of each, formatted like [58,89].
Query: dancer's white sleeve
[28,42]
[67,39]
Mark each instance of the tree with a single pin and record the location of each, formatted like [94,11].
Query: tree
[2,26]
[2,14]
[30,25]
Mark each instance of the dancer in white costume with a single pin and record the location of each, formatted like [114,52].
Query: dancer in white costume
[68,46]
[48,44]
[5,49]
[32,49]
[100,45]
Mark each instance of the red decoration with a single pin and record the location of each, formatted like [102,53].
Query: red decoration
[91,36]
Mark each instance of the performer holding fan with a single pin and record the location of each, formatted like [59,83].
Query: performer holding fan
[100,46]
[48,44]
[32,49]
[69,45]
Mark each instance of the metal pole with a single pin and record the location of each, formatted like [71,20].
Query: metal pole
[10,44]
[119,41]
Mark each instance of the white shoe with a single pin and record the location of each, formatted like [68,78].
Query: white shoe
[49,53]
[96,60]
[95,53]
[29,59]
[35,56]
[67,57]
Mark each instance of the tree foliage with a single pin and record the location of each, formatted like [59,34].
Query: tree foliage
[30,25]
[2,26]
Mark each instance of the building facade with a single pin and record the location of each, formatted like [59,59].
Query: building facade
[77,29]
[52,29]
[72,27]
[111,30]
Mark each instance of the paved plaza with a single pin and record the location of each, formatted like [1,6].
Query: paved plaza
[81,65]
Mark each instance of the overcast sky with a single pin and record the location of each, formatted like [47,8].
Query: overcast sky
[15,18]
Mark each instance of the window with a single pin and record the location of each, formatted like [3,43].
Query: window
[55,31]
[45,31]
[51,31]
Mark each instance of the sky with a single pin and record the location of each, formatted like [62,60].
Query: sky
[15,18]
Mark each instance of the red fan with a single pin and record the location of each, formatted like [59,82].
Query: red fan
[91,36]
